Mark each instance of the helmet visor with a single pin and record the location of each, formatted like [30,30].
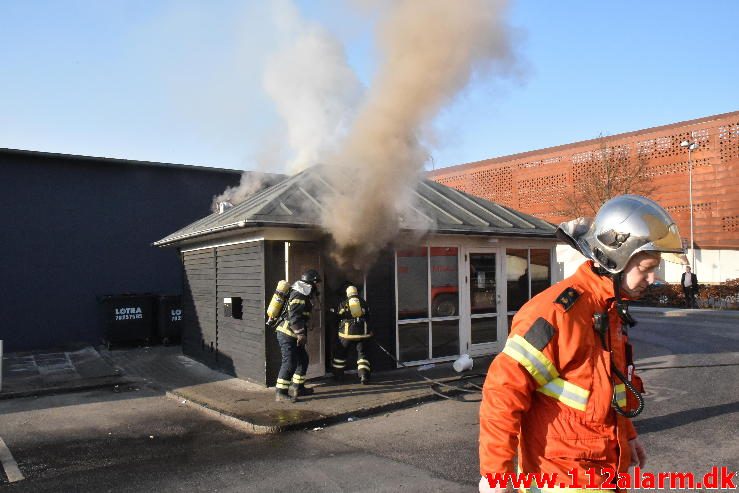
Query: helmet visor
[669,245]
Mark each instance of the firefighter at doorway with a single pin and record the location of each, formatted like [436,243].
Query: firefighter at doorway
[353,333]
[292,334]
[563,391]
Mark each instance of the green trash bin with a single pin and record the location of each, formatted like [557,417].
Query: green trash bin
[169,319]
[127,319]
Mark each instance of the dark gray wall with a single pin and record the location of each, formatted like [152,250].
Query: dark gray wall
[240,273]
[76,228]
[236,346]
[199,305]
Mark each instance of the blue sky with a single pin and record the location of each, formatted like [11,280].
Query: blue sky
[182,81]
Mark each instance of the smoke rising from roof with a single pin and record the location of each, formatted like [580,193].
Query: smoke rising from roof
[251,182]
[313,86]
[372,144]
[430,50]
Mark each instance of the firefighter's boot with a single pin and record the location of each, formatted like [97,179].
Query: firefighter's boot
[296,391]
[281,395]
[364,377]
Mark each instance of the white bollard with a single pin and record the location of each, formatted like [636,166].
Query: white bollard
[463,363]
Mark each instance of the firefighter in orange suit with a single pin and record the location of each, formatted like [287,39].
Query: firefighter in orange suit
[561,394]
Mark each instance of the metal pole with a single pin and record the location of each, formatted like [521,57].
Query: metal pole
[690,187]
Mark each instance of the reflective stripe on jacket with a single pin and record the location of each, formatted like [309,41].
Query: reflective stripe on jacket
[548,395]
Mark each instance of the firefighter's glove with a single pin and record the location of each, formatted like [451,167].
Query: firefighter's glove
[484,487]
[301,339]
[638,454]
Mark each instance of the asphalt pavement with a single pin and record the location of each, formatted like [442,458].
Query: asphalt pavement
[138,439]
[56,371]
[251,406]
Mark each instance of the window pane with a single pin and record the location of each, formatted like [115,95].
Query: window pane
[413,283]
[540,271]
[482,282]
[518,278]
[445,337]
[414,341]
[444,282]
[484,330]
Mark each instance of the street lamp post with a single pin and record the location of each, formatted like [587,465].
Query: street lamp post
[691,147]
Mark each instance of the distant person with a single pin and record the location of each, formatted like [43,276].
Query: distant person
[689,282]
[353,333]
[292,334]
[562,393]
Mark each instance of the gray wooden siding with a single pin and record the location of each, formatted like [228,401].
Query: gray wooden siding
[241,343]
[199,333]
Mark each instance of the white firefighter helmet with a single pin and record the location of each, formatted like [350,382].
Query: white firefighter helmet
[623,227]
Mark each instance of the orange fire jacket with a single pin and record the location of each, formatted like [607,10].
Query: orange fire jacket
[548,395]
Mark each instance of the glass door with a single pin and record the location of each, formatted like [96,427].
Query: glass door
[483,301]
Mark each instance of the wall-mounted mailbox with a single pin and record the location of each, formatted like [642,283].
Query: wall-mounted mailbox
[232,307]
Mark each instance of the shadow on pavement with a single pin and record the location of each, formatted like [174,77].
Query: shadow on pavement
[668,421]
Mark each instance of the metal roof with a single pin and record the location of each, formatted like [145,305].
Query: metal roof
[297,202]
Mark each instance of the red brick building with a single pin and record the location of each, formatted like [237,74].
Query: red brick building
[539,182]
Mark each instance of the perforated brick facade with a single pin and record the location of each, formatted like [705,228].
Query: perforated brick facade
[538,182]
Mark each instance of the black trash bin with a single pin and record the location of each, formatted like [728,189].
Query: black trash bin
[169,319]
[127,318]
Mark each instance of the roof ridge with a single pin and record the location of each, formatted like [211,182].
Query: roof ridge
[440,208]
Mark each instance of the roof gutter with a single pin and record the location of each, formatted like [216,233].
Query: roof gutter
[219,229]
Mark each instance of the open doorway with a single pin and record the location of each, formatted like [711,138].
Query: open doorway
[332,295]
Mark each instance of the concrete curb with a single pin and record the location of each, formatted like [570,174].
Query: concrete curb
[685,312]
[243,423]
[228,419]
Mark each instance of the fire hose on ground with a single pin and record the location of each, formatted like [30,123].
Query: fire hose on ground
[454,392]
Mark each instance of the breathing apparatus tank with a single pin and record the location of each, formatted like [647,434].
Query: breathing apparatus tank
[355,306]
[278,301]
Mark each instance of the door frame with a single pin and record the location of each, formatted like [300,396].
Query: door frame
[501,302]
[316,333]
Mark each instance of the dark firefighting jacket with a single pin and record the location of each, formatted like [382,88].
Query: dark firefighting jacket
[298,311]
[548,396]
[353,328]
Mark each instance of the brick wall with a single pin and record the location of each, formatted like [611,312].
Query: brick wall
[538,182]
